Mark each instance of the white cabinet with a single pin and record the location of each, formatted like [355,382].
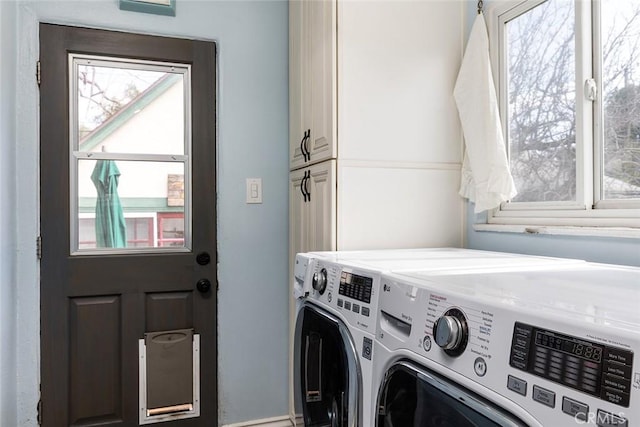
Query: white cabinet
[374,132]
[312,81]
[371,86]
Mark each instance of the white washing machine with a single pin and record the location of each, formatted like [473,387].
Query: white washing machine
[545,347]
[336,297]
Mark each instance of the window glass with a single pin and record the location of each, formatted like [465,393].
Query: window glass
[130,140]
[620,36]
[541,125]
[127,110]
[108,190]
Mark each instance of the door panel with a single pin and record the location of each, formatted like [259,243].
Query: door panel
[97,391]
[96,306]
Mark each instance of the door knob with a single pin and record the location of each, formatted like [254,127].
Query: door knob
[203,286]
[203,258]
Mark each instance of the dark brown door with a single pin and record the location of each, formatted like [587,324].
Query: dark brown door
[128,221]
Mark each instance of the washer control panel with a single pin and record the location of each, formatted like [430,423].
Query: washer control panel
[593,368]
[356,286]
[351,292]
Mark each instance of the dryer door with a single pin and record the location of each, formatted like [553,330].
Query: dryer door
[327,370]
[414,396]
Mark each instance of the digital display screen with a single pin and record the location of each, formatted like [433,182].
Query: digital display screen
[571,346]
[356,287]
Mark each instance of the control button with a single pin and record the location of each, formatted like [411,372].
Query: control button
[340,303]
[480,367]
[607,419]
[426,343]
[618,369]
[347,305]
[517,385]
[367,348]
[615,396]
[356,308]
[329,297]
[576,409]
[616,383]
[620,356]
[365,311]
[544,396]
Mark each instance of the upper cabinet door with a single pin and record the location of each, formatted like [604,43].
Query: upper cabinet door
[323,72]
[312,81]
[299,120]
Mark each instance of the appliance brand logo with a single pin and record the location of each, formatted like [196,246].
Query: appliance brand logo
[386,288]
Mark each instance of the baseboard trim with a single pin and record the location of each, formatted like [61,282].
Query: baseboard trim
[283,421]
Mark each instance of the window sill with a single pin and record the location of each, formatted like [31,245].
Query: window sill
[616,232]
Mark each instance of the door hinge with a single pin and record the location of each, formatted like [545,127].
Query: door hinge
[38,72]
[39,247]
[40,412]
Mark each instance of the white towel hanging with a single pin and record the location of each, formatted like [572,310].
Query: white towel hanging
[486,178]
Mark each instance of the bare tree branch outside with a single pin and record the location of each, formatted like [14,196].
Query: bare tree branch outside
[541,52]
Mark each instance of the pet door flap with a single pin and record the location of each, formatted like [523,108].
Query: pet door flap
[169,376]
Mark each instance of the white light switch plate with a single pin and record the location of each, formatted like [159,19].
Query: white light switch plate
[254,190]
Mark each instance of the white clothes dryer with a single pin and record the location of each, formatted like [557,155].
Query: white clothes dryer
[555,346]
[336,296]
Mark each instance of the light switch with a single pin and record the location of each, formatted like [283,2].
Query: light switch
[254,190]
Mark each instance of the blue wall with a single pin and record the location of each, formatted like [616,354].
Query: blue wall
[8,251]
[596,249]
[252,38]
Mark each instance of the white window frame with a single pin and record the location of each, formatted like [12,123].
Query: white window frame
[594,216]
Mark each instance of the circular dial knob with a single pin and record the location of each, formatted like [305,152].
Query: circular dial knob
[319,281]
[450,332]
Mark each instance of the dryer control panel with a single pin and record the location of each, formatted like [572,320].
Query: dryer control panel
[593,368]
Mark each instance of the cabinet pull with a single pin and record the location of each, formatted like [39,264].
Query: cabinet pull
[307,149]
[303,146]
[302,185]
[305,184]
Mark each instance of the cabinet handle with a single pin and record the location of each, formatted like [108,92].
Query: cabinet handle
[307,149]
[302,185]
[305,184]
[303,146]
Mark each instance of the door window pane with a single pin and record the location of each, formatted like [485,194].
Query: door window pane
[109,191]
[130,147]
[128,110]
[620,35]
[541,102]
